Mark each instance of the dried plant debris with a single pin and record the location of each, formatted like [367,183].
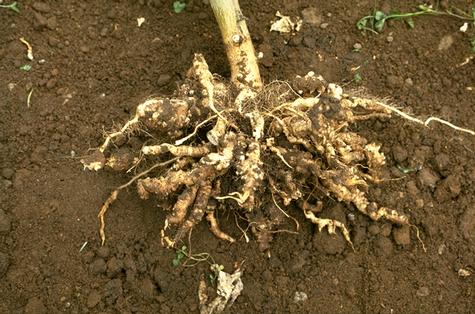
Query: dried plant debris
[229,287]
[255,154]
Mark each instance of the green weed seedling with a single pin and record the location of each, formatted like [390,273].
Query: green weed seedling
[25,67]
[12,6]
[376,22]
[179,6]
[358,78]
[180,256]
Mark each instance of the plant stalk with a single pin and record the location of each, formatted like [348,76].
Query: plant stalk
[238,43]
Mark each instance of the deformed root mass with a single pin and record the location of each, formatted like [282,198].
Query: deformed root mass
[251,152]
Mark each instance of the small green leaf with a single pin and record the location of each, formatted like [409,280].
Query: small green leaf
[25,67]
[379,25]
[379,15]
[409,22]
[13,6]
[358,78]
[179,6]
[361,24]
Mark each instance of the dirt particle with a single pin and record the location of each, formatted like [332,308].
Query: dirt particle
[427,177]
[35,306]
[268,55]
[412,189]
[98,266]
[114,267]
[8,173]
[331,244]
[311,16]
[324,25]
[402,235]
[93,299]
[374,229]
[467,224]
[408,82]
[52,22]
[4,264]
[357,46]
[390,39]
[394,81]
[103,252]
[41,7]
[386,230]
[423,291]
[309,41]
[51,83]
[148,288]
[383,246]
[164,79]
[442,163]
[40,20]
[112,291]
[448,188]
[5,223]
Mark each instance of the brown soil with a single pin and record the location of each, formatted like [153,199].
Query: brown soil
[98,65]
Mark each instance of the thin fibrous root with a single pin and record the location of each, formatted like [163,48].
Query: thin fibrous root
[102,213]
[416,120]
[113,196]
[331,224]
[214,228]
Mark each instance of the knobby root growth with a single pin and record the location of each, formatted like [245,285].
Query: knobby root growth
[256,154]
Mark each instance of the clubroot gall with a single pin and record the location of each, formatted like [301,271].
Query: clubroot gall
[248,147]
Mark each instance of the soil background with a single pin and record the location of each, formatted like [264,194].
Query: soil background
[93,65]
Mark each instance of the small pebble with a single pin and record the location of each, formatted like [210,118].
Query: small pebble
[98,266]
[357,46]
[389,39]
[422,292]
[93,299]
[300,296]
[324,25]
[408,81]
[84,49]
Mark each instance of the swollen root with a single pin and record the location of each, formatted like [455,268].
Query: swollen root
[259,154]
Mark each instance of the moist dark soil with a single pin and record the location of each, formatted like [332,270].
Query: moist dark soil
[92,66]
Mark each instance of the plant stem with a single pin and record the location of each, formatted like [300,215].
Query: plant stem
[239,48]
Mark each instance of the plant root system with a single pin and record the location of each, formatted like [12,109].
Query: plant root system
[253,152]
